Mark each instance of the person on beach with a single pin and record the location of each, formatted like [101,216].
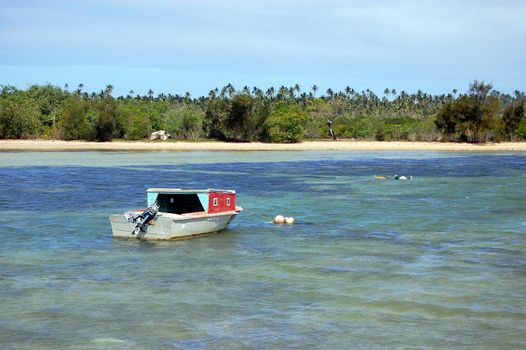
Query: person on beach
[331,132]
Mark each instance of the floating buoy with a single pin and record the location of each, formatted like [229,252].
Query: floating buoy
[280,220]
[402,177]
[396,177]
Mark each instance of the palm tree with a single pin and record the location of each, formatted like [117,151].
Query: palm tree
[257,92]
[303,99]
[330,93]
[270,92]
[386,95]
[291,92]
[230,90]
[314,89]
[282,92]
[223,92]
[297,88]
[349,91]
[108,90]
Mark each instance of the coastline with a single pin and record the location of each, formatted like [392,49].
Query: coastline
[343,145]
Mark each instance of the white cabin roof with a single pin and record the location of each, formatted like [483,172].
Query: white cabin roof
[179,190]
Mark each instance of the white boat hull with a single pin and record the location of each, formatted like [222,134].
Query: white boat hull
[166,226]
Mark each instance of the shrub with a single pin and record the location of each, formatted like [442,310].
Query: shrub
[521,129]
[18,116]
[358,128]
[134,121]
[106,120]
[215,115]
[184,122]
[286,124]
[74,120]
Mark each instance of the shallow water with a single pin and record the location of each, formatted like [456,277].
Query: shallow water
[436,262]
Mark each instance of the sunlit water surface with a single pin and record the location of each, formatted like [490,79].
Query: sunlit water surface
[436,262]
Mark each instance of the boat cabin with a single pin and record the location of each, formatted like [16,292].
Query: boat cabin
[178,201]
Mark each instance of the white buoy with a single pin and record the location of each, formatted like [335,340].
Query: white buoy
[279,219]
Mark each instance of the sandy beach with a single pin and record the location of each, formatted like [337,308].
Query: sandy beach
[343,145]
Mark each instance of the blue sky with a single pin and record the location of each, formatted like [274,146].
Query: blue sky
[196,45]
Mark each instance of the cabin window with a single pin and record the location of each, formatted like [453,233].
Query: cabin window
[216,200]
[228,202]
[176,203]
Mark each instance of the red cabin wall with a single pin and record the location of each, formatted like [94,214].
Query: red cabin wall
[222,202]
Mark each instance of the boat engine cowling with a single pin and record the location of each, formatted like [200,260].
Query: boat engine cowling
[144,218]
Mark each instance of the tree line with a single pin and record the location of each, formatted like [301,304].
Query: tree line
[286,114]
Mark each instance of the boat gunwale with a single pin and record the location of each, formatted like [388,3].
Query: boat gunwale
[189,216]
[180,190]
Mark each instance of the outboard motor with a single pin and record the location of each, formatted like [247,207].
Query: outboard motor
[144,218]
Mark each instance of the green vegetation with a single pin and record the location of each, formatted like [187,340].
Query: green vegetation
[474,117]
[285,123]
[286,114]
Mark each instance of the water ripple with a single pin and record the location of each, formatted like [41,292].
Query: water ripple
[436,262]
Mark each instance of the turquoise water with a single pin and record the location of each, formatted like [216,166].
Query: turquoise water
[437,262]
